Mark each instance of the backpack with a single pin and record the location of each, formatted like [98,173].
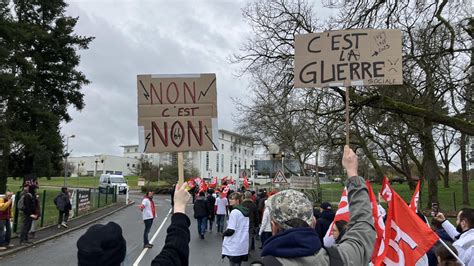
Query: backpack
[21,202]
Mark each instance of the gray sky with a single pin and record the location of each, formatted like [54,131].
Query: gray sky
[149,37]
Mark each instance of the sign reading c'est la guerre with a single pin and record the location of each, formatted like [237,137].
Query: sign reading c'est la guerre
[348,57]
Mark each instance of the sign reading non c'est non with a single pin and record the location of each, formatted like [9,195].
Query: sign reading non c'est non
[177,112]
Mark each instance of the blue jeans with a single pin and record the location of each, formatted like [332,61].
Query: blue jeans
[5,236]
[220,222]
[202,224]
[148,224]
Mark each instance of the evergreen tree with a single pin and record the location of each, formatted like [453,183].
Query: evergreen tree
[39,80]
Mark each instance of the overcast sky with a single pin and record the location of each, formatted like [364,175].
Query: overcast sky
[149,37]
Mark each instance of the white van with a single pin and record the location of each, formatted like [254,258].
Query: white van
[109,181]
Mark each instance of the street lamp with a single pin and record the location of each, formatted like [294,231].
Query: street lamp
[95,170]
[159,173]
[66,155]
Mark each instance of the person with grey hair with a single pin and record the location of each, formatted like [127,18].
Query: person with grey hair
[253,217]
[295,242]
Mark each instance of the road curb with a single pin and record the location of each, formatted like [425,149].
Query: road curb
[20,248]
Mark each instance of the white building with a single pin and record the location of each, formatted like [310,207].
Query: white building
[98,164]
[236,153]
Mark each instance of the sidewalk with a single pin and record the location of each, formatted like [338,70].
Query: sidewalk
[51,232]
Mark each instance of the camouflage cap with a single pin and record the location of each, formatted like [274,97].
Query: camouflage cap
[290,204]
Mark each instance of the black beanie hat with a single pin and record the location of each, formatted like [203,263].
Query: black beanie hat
[101,245]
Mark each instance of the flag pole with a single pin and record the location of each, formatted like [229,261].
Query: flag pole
[451,251]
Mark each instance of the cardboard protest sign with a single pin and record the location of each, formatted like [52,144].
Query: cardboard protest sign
[348,57]
[177,112]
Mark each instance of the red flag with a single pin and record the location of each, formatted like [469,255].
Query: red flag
[341,214]
[407,238]
[225,190]
[191,183]
[224,179]
[213,183]
[203,187]
[379,225]
[415,198]
[386,191]
[246,182]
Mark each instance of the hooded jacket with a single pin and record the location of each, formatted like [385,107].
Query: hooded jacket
[237,243]
[201,207]
[253,213]
[323,223]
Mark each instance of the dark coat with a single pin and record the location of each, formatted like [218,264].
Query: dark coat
[212,202]
[201,208]
[29,202]
[176,249]
[323,223]
[253,213]
[62,202]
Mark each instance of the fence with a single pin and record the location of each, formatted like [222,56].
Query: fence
[83,201]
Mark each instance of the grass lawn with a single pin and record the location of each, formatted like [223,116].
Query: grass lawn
[332,193]
[83,181]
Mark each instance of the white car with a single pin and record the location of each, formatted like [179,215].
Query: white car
[107,182]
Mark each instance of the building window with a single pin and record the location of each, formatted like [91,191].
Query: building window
[217,162]
[231,138]
[128,164]
[222,163]
[207,161]
[133,165]
[146,156]
[235,168]
[245,151]
[136,149]
[128,150]
[222,146]
[231,163]
[239,149]
[222,135]
[245,164]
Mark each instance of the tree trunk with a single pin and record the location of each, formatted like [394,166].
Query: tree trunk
[465,176]
[430,166]
[446,178]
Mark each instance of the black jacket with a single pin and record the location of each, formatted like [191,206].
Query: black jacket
[201,208]
[62,202]
[323,223]
[29,202]
[253,213]
[176,249]
[212,202]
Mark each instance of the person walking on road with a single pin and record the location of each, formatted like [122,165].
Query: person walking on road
[212,201]
[202,211]
[220,208]
[236,237]
[462,234]
[148,214]
[63,204]
[5,215]
[28,209]
[253,217]
[323,223]
[265,228]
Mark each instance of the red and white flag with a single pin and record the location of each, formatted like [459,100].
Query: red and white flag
[379,247]
[407,238]
[386,190]
[213,183]
[415,198]
[203,186]
[341,214]
[225,190]
[246,182]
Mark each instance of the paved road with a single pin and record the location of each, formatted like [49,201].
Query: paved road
[63,251]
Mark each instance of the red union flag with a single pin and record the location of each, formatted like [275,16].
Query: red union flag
[213,183]
[386,190]
[379,248]
[341,214]
[246,182]
[415,198]
[407,238]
